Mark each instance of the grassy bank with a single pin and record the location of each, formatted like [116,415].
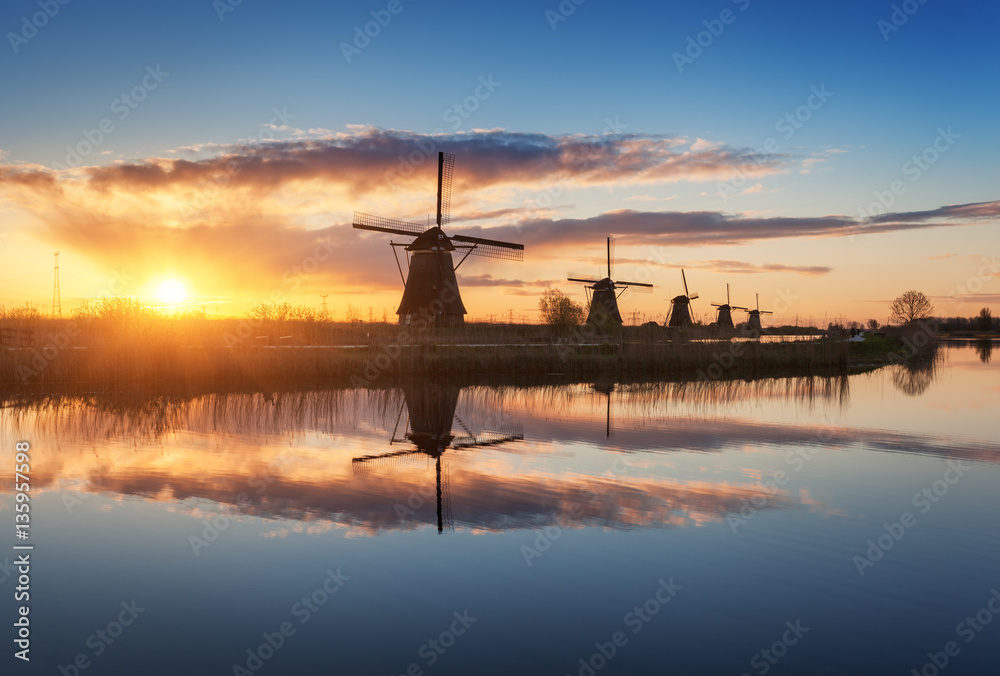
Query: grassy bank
[161,351]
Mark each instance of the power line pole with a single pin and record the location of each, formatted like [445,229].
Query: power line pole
[56,300]
[323,306]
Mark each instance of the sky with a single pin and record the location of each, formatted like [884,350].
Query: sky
[826,157]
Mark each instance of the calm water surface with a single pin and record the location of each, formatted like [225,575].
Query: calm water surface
[792,526]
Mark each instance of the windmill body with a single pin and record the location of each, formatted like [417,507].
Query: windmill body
[431,287]
[430,295]
[680,307]
[604,294]
[753,318]
[724,313]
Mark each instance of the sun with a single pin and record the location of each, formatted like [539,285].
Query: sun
[171,291]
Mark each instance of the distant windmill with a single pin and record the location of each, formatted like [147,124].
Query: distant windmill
[430,294]
[603,296]
[754,315]
[680,307]
[431,416]
[724,316]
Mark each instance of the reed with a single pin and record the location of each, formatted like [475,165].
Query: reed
[119,341]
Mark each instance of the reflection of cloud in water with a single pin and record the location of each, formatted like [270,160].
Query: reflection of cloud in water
[290,453]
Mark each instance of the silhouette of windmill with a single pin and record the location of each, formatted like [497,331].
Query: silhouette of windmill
[724,316]
[431,410]
[603,296]
[753,317]
[430,293]
[680,307]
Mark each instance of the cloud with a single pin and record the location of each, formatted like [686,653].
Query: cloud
[745,268]
[255,215]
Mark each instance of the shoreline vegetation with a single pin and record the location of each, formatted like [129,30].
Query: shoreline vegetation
[127,344]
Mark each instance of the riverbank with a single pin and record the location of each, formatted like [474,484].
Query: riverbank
[234,353]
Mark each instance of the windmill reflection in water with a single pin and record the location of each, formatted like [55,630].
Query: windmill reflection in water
[431,428]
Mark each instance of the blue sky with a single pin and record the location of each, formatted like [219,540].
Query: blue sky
[606,62]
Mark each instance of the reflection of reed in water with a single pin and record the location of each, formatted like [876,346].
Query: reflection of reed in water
[138,418]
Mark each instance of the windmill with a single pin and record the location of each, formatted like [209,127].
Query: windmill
[430,293]
[754,315]
[603,296]
[680,307]
[431,416]
[724,316]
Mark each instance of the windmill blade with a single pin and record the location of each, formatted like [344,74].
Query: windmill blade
[379,224]
[492,248]
[757,296]
[692,296]
[716,304]
[513,432]
[765,312]
[737,307]
[446,168]
[727,293]
[575,277]
[611,257]
[641,287]
[365,462]
[685,279]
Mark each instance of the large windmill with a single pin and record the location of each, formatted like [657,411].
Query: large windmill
[754,315]
[430,293]
[680,307]
[724,316]
[604,294]
[431,416]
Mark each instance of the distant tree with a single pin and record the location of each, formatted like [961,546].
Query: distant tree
[910,306]
[559,310]
[873,324]
[984,320]
[352,314]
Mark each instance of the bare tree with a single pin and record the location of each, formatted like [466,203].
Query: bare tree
[559,310]
[873,324]
[910,306]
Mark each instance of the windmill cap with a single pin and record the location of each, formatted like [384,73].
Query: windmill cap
[431,239]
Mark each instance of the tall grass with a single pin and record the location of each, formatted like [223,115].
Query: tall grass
[118,340]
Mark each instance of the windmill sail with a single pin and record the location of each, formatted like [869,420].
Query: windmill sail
[431,419]
[431,295]
[604,293]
